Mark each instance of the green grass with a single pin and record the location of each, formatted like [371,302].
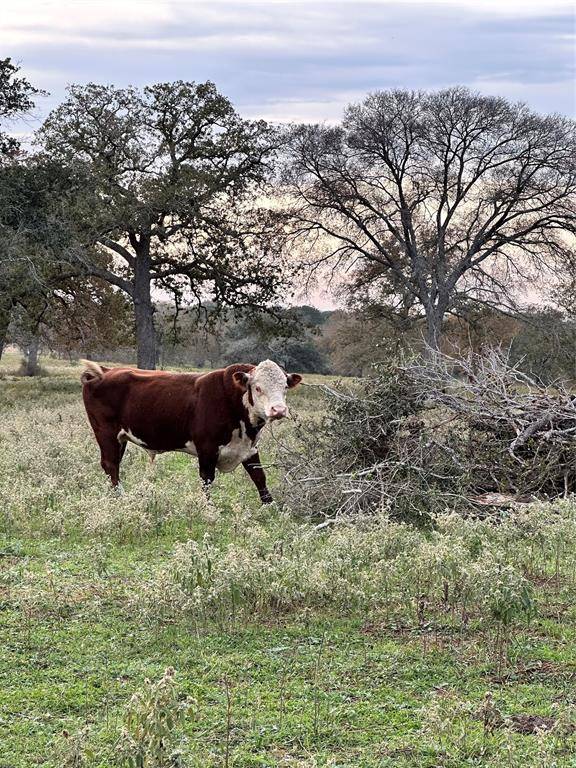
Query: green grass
[334,685]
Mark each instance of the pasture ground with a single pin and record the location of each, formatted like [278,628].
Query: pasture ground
[277,679]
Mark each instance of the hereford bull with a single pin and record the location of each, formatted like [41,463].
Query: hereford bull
[216,416]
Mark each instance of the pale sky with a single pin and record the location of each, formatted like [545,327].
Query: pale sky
[300,60]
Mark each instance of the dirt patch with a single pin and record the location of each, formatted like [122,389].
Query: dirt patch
[530,723]
[543,669]
[538,670]
[546,579]
[402,630]
[553,611]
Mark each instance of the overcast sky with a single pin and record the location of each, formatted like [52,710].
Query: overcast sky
[292,60]
[297,59]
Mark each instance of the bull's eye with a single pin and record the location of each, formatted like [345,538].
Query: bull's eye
[258,390]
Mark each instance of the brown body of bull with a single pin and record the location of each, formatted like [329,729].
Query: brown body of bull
[204,415]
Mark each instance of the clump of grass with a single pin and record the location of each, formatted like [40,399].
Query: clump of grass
[23,370]
[459,732]
[151,732]
[52,593]
[51,482]
[75,750]
[462,573]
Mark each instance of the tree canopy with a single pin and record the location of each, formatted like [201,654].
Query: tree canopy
[16,100]
[173,174]
[19,234]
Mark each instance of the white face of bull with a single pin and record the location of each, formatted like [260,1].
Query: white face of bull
[266,386]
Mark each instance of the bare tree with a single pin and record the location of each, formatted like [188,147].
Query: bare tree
[437,198]
[172,173]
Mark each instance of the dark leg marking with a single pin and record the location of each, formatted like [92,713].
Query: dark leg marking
[207,466]
[254,468]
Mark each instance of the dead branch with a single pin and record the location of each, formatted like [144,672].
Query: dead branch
[431,435]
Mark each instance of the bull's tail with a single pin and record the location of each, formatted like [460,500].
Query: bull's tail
[92,371]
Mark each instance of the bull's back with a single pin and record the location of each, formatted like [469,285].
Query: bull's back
[154,407]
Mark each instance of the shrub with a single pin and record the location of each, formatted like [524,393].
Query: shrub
[462,570]
[149,738]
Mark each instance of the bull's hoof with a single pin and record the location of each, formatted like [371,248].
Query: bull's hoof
[266,499]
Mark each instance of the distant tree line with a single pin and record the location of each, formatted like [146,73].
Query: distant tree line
[338,342]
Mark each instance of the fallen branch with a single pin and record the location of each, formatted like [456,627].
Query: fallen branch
[434,435]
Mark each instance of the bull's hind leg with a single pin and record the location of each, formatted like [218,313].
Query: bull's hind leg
[111,452]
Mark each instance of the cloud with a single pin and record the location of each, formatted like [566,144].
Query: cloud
[295,60]
[541,96]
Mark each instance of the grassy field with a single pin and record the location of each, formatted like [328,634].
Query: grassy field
[365,645]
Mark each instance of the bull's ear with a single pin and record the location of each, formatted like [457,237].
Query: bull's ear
[293,380]
[241,379]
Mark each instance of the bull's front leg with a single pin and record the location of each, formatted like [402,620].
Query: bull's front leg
[207,467]
[254,469]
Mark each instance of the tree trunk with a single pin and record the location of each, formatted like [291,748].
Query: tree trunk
[31,367]
[144,313]
[434,317]
[4,323]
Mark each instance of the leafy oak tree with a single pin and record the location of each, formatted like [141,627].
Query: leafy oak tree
[77,317]
[172,177]
[16,100]
[435,199]
[37,244]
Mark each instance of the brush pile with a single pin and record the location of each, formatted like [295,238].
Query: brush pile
[433,435]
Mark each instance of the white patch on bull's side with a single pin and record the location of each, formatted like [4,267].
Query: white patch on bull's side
[236,451]
[189,448]
[126,435]
[268,384]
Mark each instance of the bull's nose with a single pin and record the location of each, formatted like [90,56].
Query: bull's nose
[278,411]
